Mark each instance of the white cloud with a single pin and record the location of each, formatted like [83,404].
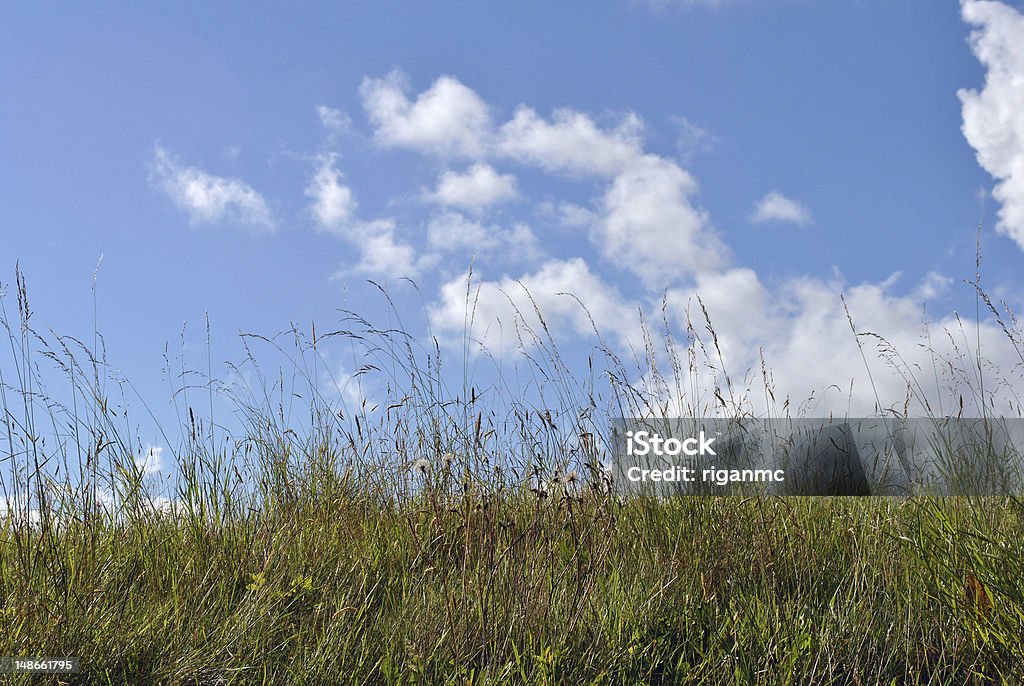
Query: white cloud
[647,222]
[522,242]
[151,460]
[209,199]
[166,506]
[349,386]
[384,254]
[333,119]
[993,119]
[650,227]
[334,206]
[814,361]
[932,286]
[738,304]
[479,187]
[815,348]
[453,232]
[812,355]
[334,203]
[775,207]
[501,315]
[570,214]
[451,119]
[571,143]
[16,510]
[447,119]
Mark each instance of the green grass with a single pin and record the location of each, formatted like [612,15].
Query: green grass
[515,589]
[318,544]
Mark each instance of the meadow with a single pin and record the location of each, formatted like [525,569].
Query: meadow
[464,535]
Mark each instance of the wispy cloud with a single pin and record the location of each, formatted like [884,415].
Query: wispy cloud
[333,119]
[775,207]
[209,199]
[452,231]
[692,138]
[333,207]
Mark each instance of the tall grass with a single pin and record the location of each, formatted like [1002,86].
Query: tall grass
[460,535]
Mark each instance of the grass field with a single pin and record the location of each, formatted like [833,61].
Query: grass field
[342,589]
[442,539]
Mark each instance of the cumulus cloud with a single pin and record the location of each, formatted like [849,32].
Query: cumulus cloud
[932,286]
[383,254]
[501,315]
[650,227]
[645,219]
[479,187]
[814,362]
[816,365]
[448,118]
[209,199]
[908,361]
[775,207]
[334,203]
[738,302]
[570,143]
[993,119]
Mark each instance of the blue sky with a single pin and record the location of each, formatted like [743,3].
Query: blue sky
[260,162]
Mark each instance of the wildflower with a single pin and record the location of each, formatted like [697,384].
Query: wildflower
[448,459]
[572,484]
[421,465]
[258,581]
